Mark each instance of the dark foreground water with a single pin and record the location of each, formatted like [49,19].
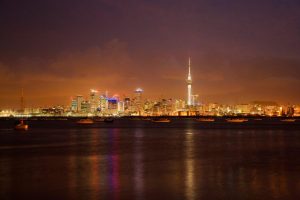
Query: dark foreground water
[144,160]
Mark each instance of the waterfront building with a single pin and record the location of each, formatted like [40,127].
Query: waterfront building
[243,109]
[79,99]
[195,99]
[179,104]
[85,107]
[127,104]
[74,105]
[94,101]
[297,110]
[290,111]
[148,107]
[103,103]
[121,107]
[138,101]
[112,105]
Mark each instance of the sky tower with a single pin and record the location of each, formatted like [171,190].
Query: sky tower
[189,82]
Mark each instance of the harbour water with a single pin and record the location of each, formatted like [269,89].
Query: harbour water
[143,160]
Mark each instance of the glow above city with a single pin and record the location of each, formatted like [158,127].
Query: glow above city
[241,50]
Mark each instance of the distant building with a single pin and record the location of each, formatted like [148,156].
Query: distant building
[121,107]
[127,104]
[77,104]
[74,105]
[94,100]
[297,111]
[138,100]
[103,103]
[243,109]
[85,107]
[112,105]
[290,111]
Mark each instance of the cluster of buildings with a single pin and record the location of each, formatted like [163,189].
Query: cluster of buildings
[101,104]
[136,105]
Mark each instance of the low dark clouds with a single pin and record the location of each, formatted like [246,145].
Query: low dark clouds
[61,47]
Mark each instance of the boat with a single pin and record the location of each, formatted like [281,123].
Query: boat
[146,119]
[85,121]
[161,120]
[135,118]
[108,120]
[205,119]
[99,119]
[62,119]
[288,120]
[21,126]
[237,120]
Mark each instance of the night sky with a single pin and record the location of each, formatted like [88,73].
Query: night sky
[241,50]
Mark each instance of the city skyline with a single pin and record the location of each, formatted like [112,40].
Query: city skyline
[241,51]
[149,99]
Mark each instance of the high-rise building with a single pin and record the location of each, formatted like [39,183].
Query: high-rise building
[94,101]
[138,100]
[112,105]
[85,106]
[74,105]
[189,85]
[79,99]
[195,99]
[103,103]
[121,106]
[127,104]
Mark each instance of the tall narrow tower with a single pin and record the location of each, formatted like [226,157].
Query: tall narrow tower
[189,85]
[22,101]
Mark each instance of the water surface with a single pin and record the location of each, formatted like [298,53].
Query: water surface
[140,160]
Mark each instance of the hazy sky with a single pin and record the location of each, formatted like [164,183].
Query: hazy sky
[241,50]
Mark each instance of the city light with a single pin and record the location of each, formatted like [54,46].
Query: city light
[99,103]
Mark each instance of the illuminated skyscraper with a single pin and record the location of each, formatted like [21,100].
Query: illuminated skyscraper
[79,100]
[189,86]
[22,102]
[103,103]
[94,100]
[138,100]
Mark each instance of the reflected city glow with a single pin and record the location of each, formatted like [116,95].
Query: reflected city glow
[138,164]
[113,163]
[189,166]
[94,160]
[78,177]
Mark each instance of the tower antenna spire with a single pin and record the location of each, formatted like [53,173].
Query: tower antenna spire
[189,66]
[22,100]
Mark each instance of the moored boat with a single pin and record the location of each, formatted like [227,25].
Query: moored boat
[288,120]
[21,126]
[205,119]
[85,121]
[236,120]
[108,120]
[99,119]
[161,120]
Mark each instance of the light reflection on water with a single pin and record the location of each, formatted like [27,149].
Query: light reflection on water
[142,163]
[138,164]
[189,166]
[113,163]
